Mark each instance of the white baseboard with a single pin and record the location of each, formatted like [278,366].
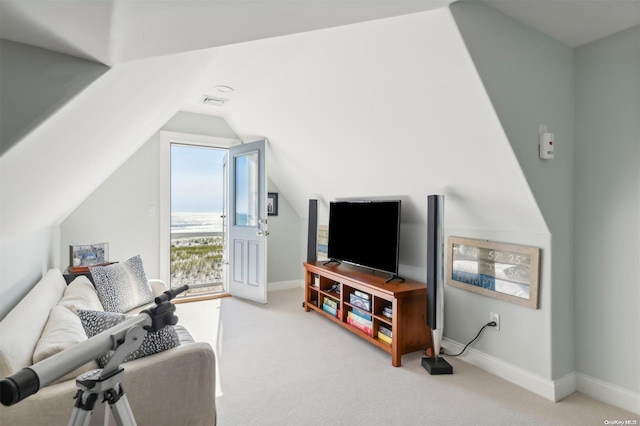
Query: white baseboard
[549,389]
[606,392]
[284,285]
[565,386]
[554,390]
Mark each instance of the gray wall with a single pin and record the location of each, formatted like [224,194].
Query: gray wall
[607,209]
[117,212]
[34,83]
[199,124]
[530,80]
[285,258]
[23,261]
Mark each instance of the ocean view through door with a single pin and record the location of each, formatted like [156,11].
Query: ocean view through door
[197,218]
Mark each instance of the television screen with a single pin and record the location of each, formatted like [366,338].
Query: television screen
[365,233]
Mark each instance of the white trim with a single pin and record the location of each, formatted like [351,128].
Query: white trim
[532,382]
[166,139]
[284,285]
[609,393]
[565,386]
[554,390]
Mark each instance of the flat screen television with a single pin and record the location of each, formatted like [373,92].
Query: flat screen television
[366,234]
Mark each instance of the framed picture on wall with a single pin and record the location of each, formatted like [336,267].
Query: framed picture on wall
[508,272]
[272,204]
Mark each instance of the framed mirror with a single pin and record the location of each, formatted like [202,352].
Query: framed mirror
[505,271]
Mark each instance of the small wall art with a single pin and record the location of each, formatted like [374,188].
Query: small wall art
[272,204]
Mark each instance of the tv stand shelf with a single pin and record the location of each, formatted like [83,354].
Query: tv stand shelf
[406,300]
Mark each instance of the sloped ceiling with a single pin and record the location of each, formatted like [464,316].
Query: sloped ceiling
[289,80]
[117,31]
[40,181]
[374,110]
[49,172]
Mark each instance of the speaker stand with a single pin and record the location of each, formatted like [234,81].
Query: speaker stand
[437,365]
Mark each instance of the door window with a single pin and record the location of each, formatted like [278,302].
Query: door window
[246,189]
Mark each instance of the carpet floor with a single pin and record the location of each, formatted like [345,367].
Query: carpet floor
[280,365]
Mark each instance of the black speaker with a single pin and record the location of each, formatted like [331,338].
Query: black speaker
[435,283]
[312,233]
[434,256]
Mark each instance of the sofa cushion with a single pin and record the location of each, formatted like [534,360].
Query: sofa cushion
[62,331]
[20,330]
[122,286]
[95,322]
[81,295]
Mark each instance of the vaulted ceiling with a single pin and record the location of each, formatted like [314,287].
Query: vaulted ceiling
[112,32]
[116,31]
[169,53]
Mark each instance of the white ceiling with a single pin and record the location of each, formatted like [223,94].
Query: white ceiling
[116,31]
[190,46]
[572,22]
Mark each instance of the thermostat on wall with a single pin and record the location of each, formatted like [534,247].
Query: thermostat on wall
[546,145]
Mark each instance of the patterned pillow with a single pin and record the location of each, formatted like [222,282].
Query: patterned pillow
[95,322]
[122,286]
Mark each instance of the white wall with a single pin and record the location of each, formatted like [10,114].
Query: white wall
[117,212]
[395,109]
[530,80]
[607,210]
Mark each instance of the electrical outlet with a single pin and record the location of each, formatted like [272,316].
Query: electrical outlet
[495,317]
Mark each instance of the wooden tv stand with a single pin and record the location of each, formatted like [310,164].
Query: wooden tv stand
[408,301]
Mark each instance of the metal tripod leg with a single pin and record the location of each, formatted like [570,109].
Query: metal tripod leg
[85,403]
[83,408]
[120,407]
[92,386]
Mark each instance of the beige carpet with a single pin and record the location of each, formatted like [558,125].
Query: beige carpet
[283,366]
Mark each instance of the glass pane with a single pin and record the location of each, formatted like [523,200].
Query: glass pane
[197,231]
[246,183]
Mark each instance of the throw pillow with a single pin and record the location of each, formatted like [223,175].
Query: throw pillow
[122,286]
[80,294]
[95,322]
[62,331]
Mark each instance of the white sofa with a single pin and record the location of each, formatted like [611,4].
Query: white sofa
[174,387]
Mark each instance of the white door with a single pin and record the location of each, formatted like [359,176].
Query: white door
[247,222]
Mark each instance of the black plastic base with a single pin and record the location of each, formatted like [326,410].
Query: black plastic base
[437,366]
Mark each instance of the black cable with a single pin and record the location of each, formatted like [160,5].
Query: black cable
[489,324]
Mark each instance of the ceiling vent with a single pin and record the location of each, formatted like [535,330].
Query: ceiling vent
[212,100]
